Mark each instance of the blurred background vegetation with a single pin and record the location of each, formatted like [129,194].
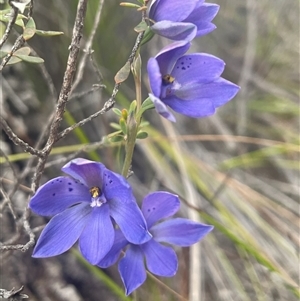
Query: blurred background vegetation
[237,170]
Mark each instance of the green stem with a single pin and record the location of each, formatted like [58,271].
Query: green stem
[130,144]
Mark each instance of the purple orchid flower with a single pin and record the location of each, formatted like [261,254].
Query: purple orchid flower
[161,260]
[189,84]
[182,20]
[83,205]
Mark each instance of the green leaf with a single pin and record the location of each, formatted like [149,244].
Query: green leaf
[123,126]
[117,112]
[142,135]
[29,30]
[149,34]
[30,59]
[22,51]
[115,126]
[128,4]
[20,22]
[142,26]
[48,33]
[13,60]
[123,73]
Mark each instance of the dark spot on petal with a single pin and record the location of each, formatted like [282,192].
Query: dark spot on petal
[149,210]
[183,68]
[53,194]
[153,208]
[70,189]
[69,183]
[110,181]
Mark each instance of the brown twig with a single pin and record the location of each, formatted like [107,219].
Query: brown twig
[17,141]
[65,90]
[18,43]
[14,15]
[109,104]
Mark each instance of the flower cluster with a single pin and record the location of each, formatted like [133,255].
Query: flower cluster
[190,84]
[96,206]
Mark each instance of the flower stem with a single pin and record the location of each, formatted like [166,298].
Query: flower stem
[132,127]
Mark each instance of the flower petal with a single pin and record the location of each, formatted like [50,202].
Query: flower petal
[155,78]
[158,205]
[161,260]
[132,269]
[193,108]
[176,31]
[58,194]
[197,67]
[173,10]
[112,256]
[87,172]
[116,186]
[180,232]
[203,13]
[168,56]
[161,108]
[98,236]
[62,231]
[129,218]
[218,92]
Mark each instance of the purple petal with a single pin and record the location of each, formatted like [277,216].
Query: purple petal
[98,236]
[197,67]
[180,231]
[161,260]
[132,270]
[172,10]
[129,218]
[158,205]
[58,194]
[204,28]
[62,231]
[168,56]
[193,108]
[87,172]
[112,256]
[177,31]
[161,108]
[155,78]
[115,186]
[203,13]
[218,92]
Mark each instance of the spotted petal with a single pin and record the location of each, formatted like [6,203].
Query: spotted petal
[180,231]
[62,231]
[197,67]
[115,186]
[98,236]
[168,56]
[87,172]
[159,205]
[58,194]
[132,270]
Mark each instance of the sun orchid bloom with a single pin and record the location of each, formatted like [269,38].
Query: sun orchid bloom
[189,84]
[83,205]
[161,260]
[182,20]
